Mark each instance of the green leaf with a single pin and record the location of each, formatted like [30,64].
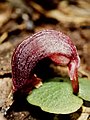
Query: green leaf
[59,79]
[84,86]
[55,97]
[84,89]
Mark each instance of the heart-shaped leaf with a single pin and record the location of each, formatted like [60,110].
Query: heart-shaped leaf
[84,86]
[55,97]
[84,89]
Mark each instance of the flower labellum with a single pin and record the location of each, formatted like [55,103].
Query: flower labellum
[47,43]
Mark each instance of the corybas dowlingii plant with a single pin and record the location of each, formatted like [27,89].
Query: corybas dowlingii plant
[47,43]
